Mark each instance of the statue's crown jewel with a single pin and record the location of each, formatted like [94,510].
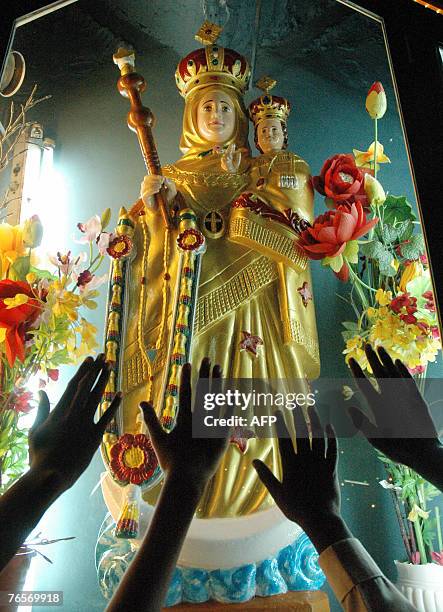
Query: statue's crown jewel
[211,64]
[268,106]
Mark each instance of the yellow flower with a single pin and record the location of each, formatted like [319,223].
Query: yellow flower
[411,271]
[87,299]
[18,300]
[355,351]
[371,312]
[365,159]
[2,334]
[63,302]
[11,246]
[383,297]
[31,278]
[88,334]
[417,512]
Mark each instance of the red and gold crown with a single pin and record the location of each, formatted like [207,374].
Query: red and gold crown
[211,65]
[267,106]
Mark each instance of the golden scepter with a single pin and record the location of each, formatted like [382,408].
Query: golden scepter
[140,120]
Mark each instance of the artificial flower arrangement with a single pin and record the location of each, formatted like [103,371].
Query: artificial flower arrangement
[42,325]
[368,239]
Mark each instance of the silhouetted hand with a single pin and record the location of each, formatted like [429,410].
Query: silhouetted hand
[309,492]
[63,442]
[61,446]
[403,428]
[178,452]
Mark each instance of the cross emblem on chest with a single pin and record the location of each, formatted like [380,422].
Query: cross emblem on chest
[213,224]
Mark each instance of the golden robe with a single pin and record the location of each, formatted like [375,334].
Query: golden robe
[240,289]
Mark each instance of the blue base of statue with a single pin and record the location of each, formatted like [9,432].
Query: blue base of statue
[294,568]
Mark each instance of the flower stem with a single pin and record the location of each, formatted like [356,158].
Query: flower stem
[375,147]
[438,524]
[355,277]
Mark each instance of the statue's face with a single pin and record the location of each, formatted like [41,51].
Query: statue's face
[270,135]
[216,116]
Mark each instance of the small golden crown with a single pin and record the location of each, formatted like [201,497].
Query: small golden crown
[211,64]
[268,106]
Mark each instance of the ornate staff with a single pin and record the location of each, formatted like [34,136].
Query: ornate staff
[130,458]
[140,120]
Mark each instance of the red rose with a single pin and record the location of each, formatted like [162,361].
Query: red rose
[17,320]
[330,232]
[342,181]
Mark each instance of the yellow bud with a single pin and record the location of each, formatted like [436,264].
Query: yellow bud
[374,190]
[376,101]
[31,278]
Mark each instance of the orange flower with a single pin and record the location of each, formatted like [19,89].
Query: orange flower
[15,321]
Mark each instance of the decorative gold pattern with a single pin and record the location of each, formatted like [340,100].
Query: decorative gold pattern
[208,33]
[206,179]
[266,83]
[293,331]
[245,230]
[229,296]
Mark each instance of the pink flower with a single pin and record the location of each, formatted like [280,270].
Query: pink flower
[53,374]
[103,242]
[437,557]
[66,263]
[435,332]
[424,259]
[91,230]
[415,558]
[417,370]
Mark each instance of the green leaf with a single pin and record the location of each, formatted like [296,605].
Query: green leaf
[106,217]
[397,208]
[372,249]
[20,268]
[405,230]
[390,233]
[350,325]
[347,335]
[413,248]
[335,263]
[42,273]
[384,263]
[351,251]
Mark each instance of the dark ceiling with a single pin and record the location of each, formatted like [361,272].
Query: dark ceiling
[324,36]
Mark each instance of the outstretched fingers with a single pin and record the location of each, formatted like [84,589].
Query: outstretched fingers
[72,386]
[363,384]
[268,479]
[332,450]
[157,433]
[109,414]
[42,411]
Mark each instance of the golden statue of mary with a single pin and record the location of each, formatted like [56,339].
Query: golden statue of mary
[253,314]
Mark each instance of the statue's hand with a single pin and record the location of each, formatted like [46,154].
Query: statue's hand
[231,158]
[151,184]
[194,460]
